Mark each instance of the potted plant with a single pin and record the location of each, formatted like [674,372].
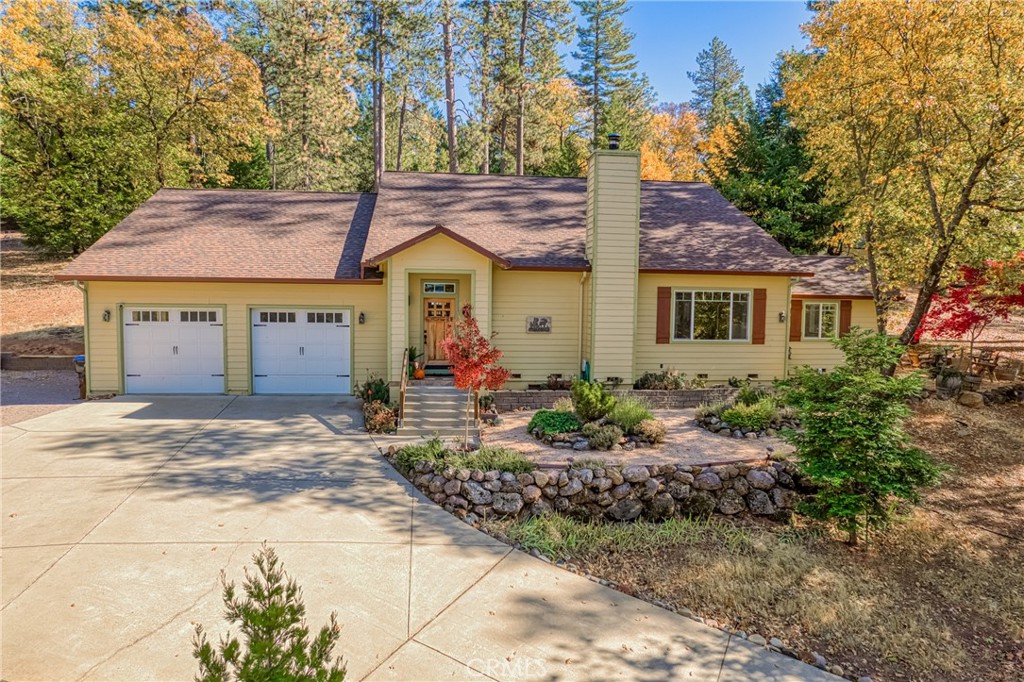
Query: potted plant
[414,353]
[950,379]
[420,372]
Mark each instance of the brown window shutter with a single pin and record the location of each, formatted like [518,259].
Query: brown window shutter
[760,306]
[845,313]
[664,329]
[796,319]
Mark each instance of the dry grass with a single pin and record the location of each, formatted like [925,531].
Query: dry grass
[939,596]
[40,315]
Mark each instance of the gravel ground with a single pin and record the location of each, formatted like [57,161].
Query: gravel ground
[25,395]
[686,444]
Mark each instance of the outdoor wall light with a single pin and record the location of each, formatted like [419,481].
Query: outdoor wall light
[106,316]
[362,318]
[782,317]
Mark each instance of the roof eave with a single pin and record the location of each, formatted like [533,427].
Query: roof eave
[503,263]
[241,280]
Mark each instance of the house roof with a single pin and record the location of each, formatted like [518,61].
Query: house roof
[233,235]
[834,277]
[525,220]
[517,221]
[540,222]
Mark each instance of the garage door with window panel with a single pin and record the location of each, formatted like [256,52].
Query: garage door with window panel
[173,350]
[301,351]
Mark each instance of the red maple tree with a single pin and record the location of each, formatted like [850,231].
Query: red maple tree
[975,300]
[473,359]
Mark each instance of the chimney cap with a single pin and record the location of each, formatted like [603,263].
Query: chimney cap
[613,140]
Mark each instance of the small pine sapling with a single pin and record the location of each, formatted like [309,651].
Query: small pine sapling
[275,641]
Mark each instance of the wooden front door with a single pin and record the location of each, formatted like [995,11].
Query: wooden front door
[437,324]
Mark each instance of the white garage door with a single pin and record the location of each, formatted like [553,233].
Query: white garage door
[173,350]
[301,351]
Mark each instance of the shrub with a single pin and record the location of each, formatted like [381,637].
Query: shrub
[591,399]
[629,412]
[602,437]
[710,410]
[651,430]
[271,620]
[487,459]
[750,394]
[431,451]
[665,380]
[564,405]
[435,452]
[853,446]
[550,421]
[379,418]
[756,416]
[588,463]
[486,401]
[376,389]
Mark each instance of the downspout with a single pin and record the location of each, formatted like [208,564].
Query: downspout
[789,322]
[85,334]
[579,360]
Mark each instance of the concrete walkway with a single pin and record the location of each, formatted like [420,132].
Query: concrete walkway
[119,515]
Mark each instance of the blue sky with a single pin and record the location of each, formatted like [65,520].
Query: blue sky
[670,33]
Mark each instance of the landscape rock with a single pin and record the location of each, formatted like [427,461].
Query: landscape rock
[761,480]
[707,480]
[730,503]
[626,510]
[636,473]
[475,493]
[507,503]
[573,487]
[757,639]
[662,506]
[760,503]
[531,494]
[540,478]
[971,399]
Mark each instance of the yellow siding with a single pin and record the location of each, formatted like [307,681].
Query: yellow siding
[535,356]
[437,256]
[615,248]
[104,353]
[820,353]
[718,359]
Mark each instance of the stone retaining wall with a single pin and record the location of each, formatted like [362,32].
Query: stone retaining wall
[510,401]
[649,491]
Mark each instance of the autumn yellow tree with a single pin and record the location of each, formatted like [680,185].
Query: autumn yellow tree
[718,149]
[915,114]
[196,101]
[671,150]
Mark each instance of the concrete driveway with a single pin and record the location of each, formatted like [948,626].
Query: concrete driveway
[119,515]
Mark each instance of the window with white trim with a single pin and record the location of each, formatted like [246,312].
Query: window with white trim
[820,320]
[439,287]
[198,316]
[711,315]
[277,317]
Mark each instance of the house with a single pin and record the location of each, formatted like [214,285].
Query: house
[230,291]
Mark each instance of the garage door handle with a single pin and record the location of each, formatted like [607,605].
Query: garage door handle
[302,350]
[133,375]
[258,325]
[216,375]
[174,350]
[259,376]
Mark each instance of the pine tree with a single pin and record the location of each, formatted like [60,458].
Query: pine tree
[719,94]
[607,64]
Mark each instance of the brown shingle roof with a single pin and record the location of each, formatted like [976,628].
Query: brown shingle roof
[233,234]
[541,222]
[833,276]
[528,221]
[690,226]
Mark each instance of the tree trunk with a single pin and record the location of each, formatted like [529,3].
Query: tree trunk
[503,157]
[521,92]
[924,293]
[377,55]
[401,128]
[597,88]
[485,85]
[449,86]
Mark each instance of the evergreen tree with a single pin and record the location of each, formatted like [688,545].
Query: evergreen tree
[608,66]
[719,94]
[768,175]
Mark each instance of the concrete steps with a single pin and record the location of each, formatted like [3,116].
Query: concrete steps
[435,409]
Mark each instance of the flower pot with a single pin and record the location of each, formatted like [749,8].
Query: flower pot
[419,373]
[972,382]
